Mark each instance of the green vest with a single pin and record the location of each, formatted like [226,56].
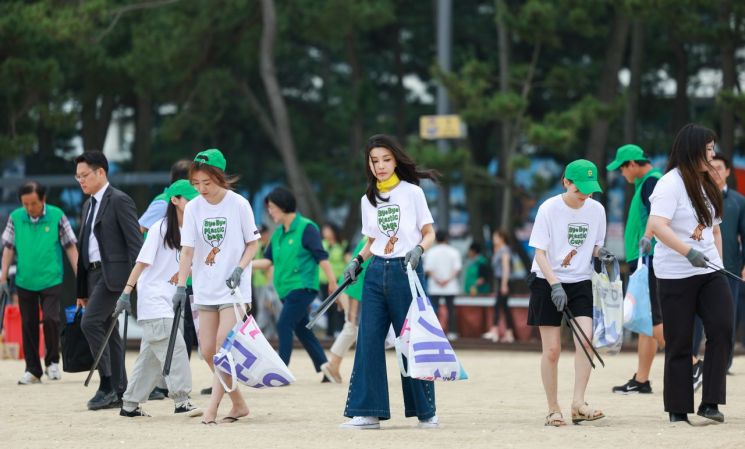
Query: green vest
[258,277]
[354,291]
[636,222]
[336,259]
[473,269]
[294,266]
[38,249]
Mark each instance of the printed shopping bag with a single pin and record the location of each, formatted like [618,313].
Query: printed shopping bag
[637,310]
[247,357]
[422,349]
[607,320]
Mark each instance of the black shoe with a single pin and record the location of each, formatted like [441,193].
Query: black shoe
[103,399]
[698,374]
[710,411]
[188,409]
[158,394]
[325,380]
[206,391]
[633,387]
[134,413]
[679,417]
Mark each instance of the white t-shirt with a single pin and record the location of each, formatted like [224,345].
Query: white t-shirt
[396,224]
[157,283]
[442,261]
[670,200]
[569,237]
[218,233]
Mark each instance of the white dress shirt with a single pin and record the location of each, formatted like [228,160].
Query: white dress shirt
[94,252]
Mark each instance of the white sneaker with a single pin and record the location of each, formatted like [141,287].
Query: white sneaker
[362,422]
[53,372]
[29,379]
[431,423]
[452,336]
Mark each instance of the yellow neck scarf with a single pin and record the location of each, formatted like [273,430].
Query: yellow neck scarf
[388,184]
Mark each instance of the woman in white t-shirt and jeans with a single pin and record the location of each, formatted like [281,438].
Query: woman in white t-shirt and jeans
[687,208]
[569,230]
[398,224]
[157,264]
[218,241]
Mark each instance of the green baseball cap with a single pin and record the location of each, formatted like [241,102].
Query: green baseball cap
[182,187]
[584,174]
[212,157]
[627,153]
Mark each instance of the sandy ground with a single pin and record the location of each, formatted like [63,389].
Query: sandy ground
[502,405]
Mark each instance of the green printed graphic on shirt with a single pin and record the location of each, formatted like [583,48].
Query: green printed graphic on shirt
[213,232]
[389,218]
[577,234]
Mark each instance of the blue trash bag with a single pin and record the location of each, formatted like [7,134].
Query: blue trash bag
[636,304]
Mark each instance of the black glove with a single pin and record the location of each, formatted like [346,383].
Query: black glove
[123,305]
[352,268]
[235,278]
[697,258]
[413,256]
[559,296]
[179,298]
[5,290]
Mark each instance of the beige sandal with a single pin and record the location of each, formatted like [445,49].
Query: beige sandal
[555,419]
[584,412]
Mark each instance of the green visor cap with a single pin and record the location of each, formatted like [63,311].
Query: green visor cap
[625,154]
[584,174]
[212,157]
[183,188]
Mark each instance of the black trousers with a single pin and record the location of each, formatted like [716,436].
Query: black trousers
[450,304]
[96,321]
[708,296]
[28,303]
[502,303]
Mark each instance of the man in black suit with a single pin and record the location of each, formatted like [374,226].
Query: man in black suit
[108,244]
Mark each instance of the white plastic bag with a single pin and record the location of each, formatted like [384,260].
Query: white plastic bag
[247,357]
[422,345]
[607,320]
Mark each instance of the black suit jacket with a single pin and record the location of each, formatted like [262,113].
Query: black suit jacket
[119,240]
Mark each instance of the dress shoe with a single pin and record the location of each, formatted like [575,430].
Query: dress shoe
[710,412]
[679,417]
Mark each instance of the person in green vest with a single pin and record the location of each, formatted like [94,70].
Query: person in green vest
[348,334]
[37,233]
[338,258]
[637,170]
[295,251]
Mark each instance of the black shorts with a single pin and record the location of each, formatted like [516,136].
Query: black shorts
[542,311]
[654,298]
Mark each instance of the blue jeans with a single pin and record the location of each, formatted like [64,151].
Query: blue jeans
[294,317]
[385,299]
[698,327]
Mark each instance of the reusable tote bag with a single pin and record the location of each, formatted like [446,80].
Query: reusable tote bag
[422,343]
[76,353]
[607,319]
[247,357]
[637,309]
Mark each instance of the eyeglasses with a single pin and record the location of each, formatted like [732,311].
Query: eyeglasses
[79,178]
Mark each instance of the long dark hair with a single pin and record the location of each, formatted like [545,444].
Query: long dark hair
[218,176]
[688,155]
[172,236]
[406,168]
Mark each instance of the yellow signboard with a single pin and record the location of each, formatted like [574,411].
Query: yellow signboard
[441,127]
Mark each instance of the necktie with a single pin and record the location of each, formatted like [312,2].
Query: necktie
[87,233]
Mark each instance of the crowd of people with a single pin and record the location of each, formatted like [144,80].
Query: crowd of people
[198,247]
